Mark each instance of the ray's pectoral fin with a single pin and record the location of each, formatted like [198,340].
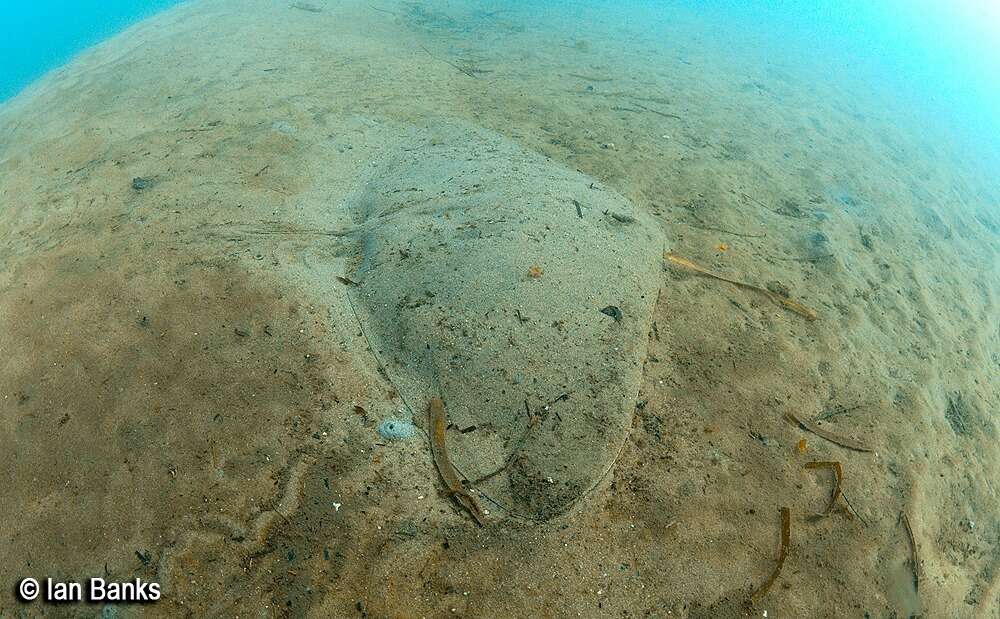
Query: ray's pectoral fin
[521,295]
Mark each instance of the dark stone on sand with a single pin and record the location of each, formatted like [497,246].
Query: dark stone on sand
[613,311]
[139,183]
[818,246]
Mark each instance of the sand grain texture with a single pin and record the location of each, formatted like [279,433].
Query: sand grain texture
[188,393]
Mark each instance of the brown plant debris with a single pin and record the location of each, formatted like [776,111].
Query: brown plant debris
[438,422]
[781,300]
[830,436]
[838,471]
[305,6]
[851,509]
[786,525]
[470,71]
[915,561]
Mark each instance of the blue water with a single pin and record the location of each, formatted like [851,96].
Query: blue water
[39,35]
[940,56]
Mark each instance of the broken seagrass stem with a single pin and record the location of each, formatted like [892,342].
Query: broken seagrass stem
[914,558]
[786,526]
[838,472]
[781,300]
[830,436]
[437,418]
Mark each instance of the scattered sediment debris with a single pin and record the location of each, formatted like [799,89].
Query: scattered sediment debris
[657,112]
[836,410]
[467,69]
[702,226]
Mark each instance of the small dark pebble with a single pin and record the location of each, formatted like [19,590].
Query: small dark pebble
[818,246]
[613,311]
[139,183]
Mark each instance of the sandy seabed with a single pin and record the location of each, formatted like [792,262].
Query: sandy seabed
[193,364]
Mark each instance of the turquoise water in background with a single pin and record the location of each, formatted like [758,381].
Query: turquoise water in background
[39,35]
[940,56]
